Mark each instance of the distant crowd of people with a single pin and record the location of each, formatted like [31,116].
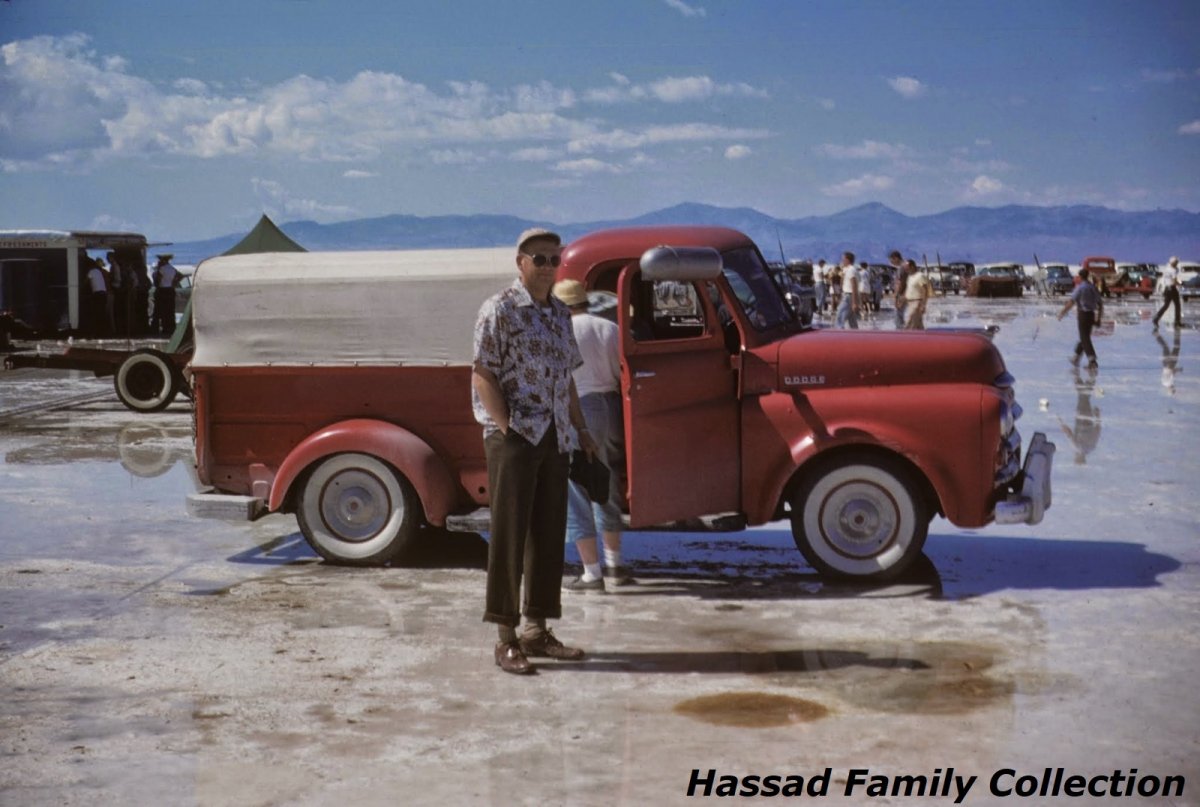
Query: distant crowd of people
[119,296]
[848,290]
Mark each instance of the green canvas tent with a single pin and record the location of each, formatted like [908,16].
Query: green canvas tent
[265,237]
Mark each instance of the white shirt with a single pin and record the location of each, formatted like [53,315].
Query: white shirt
[849,273]
[1170,276]
[818,274]
[96,279]
[166,275]
[598,342]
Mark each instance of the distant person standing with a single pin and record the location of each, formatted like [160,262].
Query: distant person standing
[166,279]
[901,277]
[97,298]
[847,313]
[820,286]
[1091,307]
[917,292]
[1170,281]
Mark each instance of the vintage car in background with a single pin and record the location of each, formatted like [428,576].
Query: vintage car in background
[1101,269]
[1127,283]
[1190,289]
[800,297]
[996,280]
[337,386]
[943,279]
[1058,278]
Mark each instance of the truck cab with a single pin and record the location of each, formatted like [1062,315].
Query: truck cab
[346,400]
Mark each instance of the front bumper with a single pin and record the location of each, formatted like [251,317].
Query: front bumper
[1031,503]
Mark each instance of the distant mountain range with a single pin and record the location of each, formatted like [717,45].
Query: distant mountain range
[979,234]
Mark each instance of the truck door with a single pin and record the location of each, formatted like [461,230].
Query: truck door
[681,407]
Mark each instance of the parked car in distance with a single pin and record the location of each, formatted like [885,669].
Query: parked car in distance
[801,298]
[1101,269]
[1126,283]
[1058,278]
[1190,288]
[997,280]
[943,279]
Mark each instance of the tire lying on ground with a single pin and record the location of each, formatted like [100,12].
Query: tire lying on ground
[860,517]
[147,381]
[356,510]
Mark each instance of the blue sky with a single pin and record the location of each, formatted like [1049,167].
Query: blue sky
[185,120]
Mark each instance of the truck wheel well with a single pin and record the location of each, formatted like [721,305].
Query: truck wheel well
[818,463]
[291,498]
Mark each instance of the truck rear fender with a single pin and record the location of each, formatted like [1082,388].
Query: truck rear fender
[395,445]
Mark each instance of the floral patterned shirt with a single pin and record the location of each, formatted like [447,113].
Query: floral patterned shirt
[531,349]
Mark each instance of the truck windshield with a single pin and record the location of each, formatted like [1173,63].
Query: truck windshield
[755,291]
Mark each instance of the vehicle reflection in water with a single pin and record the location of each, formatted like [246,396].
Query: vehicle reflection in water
[1084,434]
[145,450]
[1170,360]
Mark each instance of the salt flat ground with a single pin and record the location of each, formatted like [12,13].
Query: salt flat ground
[148,658]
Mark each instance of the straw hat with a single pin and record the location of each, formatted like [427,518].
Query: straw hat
[571,292]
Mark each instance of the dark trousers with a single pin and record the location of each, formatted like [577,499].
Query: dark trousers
[164,312]
[1170,296]
[528,490]
[1087,321]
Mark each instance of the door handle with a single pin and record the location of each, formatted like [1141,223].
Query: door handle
[645,374]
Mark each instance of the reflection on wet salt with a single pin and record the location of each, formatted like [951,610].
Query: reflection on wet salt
[1084,434]
[143,448]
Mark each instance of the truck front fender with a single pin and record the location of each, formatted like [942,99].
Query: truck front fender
[403,450]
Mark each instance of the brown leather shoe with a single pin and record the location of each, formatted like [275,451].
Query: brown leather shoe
[545,644]
[510,659]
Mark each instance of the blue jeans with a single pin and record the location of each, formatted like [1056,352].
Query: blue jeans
[847,313]
[602,413]
[900,306]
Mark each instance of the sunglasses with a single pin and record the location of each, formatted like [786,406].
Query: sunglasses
[541,260]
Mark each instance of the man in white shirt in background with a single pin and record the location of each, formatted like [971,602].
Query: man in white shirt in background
[847,313]
[1170,284]
[598,383]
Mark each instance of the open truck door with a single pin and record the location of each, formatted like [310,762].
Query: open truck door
[680,392]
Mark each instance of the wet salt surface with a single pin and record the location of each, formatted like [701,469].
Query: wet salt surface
[151,658]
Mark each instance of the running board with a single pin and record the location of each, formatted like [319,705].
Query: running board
[479,521]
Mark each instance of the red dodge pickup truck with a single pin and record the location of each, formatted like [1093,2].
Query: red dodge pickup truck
[337,386]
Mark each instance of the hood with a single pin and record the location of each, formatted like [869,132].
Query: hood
[838,358]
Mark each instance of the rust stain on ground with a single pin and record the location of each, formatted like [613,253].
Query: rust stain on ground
[754,710]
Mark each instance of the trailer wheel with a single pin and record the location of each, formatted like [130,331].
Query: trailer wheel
[147,381]
[355,510]
[860,517]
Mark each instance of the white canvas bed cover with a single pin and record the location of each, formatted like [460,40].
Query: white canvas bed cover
[344,308]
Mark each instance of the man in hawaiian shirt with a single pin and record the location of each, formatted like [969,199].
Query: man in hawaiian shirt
[524,397]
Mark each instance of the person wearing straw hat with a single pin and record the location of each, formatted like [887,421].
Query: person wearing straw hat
[166,277]
[1170,281]
[598,383]
[524,397]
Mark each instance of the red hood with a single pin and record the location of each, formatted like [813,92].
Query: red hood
[836,358]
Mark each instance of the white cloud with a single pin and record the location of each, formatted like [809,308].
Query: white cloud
[866,150]
[456,157]
[867,183]
[280,203]
[535,154]
[737,152]
[686,10]
[826,103]
[985,185]
[619,139]
[671,90]
[355,173]
[1190,128]
[63,105]
[588,165]
[1164,76]
[907,86]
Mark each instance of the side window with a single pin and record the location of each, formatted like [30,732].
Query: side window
[667,309]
